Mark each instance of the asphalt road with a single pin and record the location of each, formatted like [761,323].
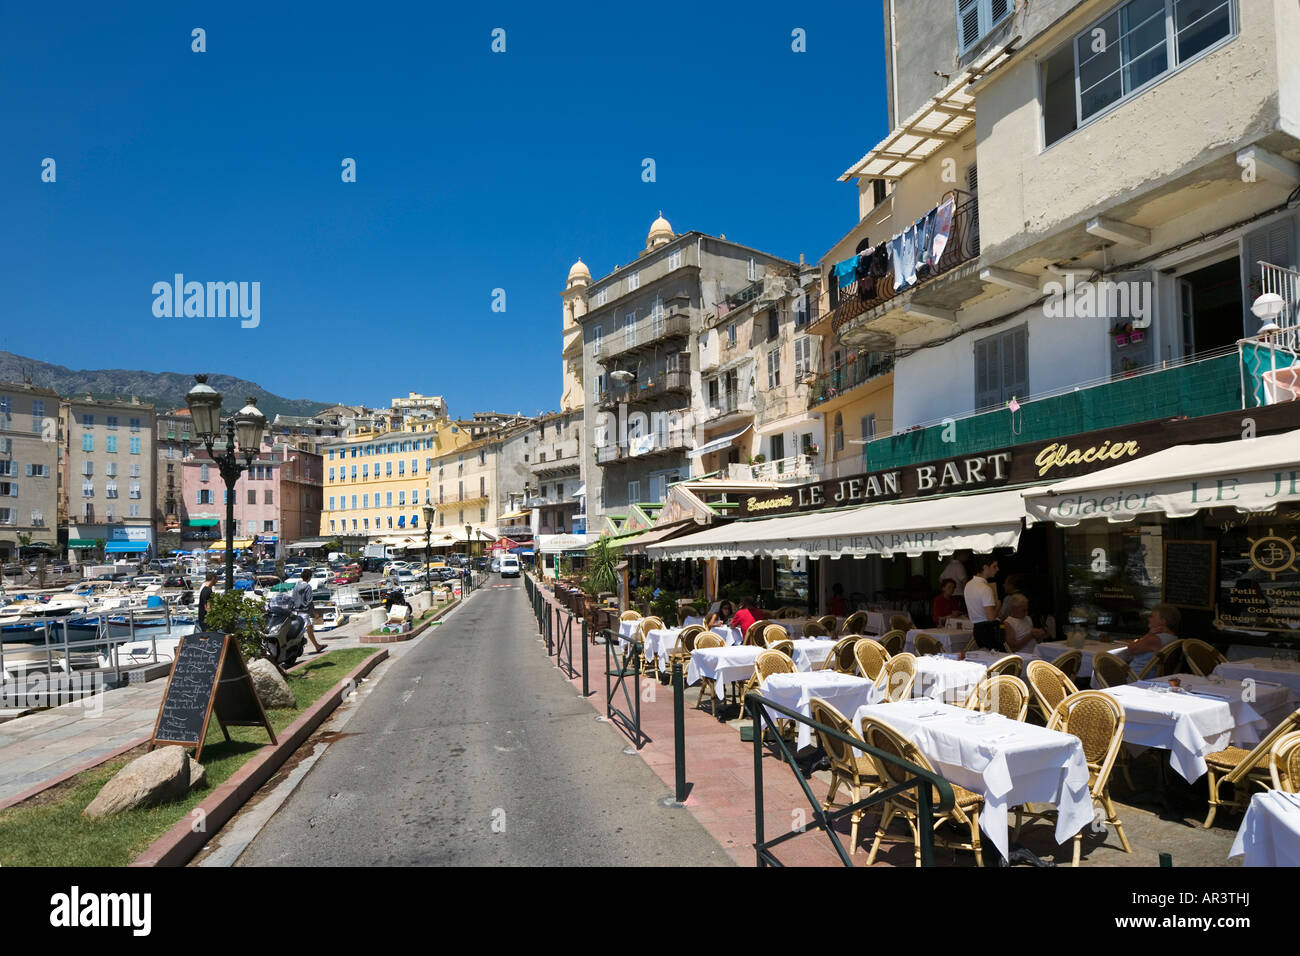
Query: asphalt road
[472,750]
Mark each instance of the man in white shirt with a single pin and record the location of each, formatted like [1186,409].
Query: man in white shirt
[981,605]
[956,569]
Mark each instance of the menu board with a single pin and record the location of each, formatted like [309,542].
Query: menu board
[1189,574]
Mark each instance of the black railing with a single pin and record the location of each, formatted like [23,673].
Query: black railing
[919,779]
[617,671]
[857,370]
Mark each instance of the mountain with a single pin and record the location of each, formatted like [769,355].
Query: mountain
[165,390]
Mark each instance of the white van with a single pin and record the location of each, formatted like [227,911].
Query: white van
[509,566]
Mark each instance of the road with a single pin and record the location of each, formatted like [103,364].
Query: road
[472,750]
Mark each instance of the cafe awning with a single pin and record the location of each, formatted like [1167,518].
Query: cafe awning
[81,544]
[125,547]
[562,544]
[202,522]
[660,533]
[716,444]
[239,543]
[1250,475]
[980,522]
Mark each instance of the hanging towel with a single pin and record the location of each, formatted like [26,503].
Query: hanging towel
[866,280]
[924,243]
[896,256]
[909,254]
[942,226]
[846,270]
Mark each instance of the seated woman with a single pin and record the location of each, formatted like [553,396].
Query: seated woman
[1021,635]
[720,616]
[1161,630]
[945,604]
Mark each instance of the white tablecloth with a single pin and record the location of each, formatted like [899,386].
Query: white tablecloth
[1189,727]
[878,621]
[1252,719]
[1054,649]
[845,692]
[816,649]
[948,680]
[1259,669]
[659,643]
[988,658]
[731,635]
[953,639]
[1006,761]
[1270,831]
[627,628]
[727,664]
[692,621]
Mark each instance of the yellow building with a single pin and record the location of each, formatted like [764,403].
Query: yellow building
[377,481]
[463,486]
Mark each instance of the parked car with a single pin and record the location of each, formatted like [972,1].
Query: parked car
[146,580]
[266,580]
[347,576]
[178,581]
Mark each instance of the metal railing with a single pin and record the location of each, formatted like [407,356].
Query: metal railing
[858,370]
[1284,282]
[617,671]
[645,333]
[783,469]
[673,440]
[919,779]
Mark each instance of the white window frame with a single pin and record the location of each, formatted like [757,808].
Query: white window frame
[629,330]
[731,335]
[633,281]
[774,368]
[984,22]
[802,362]
[674,260]
[597,336]
[601,295]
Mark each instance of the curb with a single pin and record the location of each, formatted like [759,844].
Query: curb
[413,633]
[178,845]
[81,768]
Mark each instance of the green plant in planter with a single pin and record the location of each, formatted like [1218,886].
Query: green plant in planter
[602,561]
[644,594]
[664,607]
[232,613]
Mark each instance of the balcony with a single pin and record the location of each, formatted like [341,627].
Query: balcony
[795,468]
[860,368]
[676,440]
[556,466]
[665,383]
[675,323]
[728,404]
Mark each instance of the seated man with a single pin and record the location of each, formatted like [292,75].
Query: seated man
[1021,635]
[1161,628]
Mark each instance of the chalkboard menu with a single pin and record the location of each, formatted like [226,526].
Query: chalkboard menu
[1189,574]
[208,675]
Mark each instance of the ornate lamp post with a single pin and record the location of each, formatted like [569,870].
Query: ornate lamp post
[469,559]
[246,425]
[429,512]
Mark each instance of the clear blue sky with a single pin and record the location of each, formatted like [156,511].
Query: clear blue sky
[475,171]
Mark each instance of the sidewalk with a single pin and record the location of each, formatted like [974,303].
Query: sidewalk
[42,746]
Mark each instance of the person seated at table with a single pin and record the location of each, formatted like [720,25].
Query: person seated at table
[720,615]
[1162,626]
[746,616]
[945,603]
[1020,634]
[1011,587]
[836,604]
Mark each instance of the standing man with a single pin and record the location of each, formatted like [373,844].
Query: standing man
[981,605]
[302,593]
[956,569]
[205,596]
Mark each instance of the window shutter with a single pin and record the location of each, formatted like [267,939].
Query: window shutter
[1271,244]
[1000,9]
[988,389]
[968,24]
[1015,364]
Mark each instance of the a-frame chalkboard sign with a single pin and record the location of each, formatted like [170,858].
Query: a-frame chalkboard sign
[208,676]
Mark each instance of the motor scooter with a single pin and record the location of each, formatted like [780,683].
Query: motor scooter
[285,636]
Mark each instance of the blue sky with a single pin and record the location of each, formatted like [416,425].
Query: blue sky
[475,171]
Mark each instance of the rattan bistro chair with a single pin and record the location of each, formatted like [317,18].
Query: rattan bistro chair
[647,625]
[1243,768]
[785,646]
[1013,665]
[685,644]
[771,634]
[1110,671]
[841,656]
[927,644]
[1069,664]
[754,633]
[629,616]
[894,641]
[900,675]
[813,629]
[1168,660]
[786,613]
[847,768]
[827,622]
[900,622]
[708,687]
[1201,657]
[1284,763]
[870,658]
[1050,687]
[769,662]
[1097,719]
[1002,694]
[966,806]
[855,623]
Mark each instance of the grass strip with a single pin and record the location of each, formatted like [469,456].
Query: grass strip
[49,830]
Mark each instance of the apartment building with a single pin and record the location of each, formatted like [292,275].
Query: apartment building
[173,436]
[108,473]
[462,486]
[640,326]
[29,462]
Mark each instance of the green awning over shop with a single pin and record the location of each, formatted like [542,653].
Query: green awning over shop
[203,522]
[81,544]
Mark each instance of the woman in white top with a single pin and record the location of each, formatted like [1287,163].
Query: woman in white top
[1162,630]
[1021,635]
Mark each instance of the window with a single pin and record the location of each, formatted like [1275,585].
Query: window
[401,467]
[365,471]
[252,527]
[87,468]
[38,518]
[482,456]
[773,324]
[331,502]
[633,492]
[134,471]
[633,281]
[331,524]
[38,471]
[354,472]
[135,446]
[331,454]
[135,424]
[674,260]
[428,466]
[1123,52]
[88,490]
[596,335]
[839,432]
[975,18]
[354,508]
[110,489]
[482,485]
[731,336]
[388,499]
[112,421]
[110,444]
[388,469]
[1002,368]
[86,420]
[803,357]
[657,316]
[38,412]
[203,472]
[800,308]
[331,472]
[776,445]
[774,368]
[753,269]
[868,428]
[401,498]
[252,497]
[365,501]
[111,469]
[87,442]
[629,330]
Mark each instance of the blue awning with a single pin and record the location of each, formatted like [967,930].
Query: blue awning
[120,547]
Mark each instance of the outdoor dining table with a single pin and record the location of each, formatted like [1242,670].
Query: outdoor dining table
[878,621]
[659,644]
[953,639]
[732,635]
[724,665]
[1186,725]
[816,649]
[1051,650]
[1270,832]
[1286,673]
[1254,714]
[845,692]
[628,628]
[944,678]
[1006,761]
[989,658]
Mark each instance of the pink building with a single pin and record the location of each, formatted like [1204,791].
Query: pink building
[277,500]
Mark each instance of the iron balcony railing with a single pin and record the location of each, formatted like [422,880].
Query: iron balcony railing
[1283,282]
[859,368]
[655,443]
[726,405]
[675,323]
[783,469]
[664,383]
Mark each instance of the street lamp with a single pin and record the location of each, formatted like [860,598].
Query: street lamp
[246,426]
[469,561]
[428,530]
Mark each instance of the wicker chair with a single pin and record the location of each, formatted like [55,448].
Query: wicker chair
[847,768]
[769,662]
[1097,719]
[708,687]
[1168,660]
[1050,687]
[900,675]
[894,641]
[1201,657]
[855,623]
[841,657]
[685,644]
[1013,665]
[966,806]
[827,622]
[1242,768]
[770,634]
[647,625]
[753,633]
[927,644]
[687,610]
[785,646]
[1110,671]
[629,616]
[900,622]
[1284,763]
[1003,693]
[870,658]
[1069,664]
[813,629]
[786,613]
